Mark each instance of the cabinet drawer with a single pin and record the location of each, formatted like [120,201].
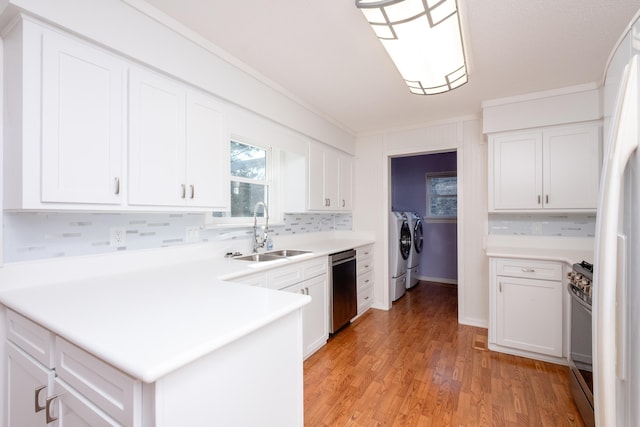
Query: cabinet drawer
[35,340]
[363,265]
[315,267]
[256,279]
[529,269]
[365,280]
[105,386]
[282,277]
[364,252]
[365,298]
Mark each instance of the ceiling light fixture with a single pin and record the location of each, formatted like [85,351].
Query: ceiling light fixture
[423,39]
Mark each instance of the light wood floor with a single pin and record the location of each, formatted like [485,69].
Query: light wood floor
[415,366]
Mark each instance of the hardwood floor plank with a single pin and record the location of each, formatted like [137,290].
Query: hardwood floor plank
[416,366]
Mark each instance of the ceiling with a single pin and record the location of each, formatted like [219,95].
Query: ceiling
[325,54]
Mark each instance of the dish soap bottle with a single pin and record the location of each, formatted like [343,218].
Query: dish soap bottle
[269,243]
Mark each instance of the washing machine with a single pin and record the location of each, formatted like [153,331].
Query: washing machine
[399,250]
[413,262]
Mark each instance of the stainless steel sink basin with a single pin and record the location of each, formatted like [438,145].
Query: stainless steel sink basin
[259,257]
[271,256]
[288,252]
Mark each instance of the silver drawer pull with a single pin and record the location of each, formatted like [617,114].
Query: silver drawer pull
[500,286]
[366,298]
[184,191]
[528,270]
[36,393]
[366,281]
[49,417]
[117,185]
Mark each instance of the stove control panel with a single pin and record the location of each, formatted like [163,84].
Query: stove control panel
[581,280]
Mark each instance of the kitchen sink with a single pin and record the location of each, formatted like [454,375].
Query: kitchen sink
[288,252]
[271,256]
[259,257]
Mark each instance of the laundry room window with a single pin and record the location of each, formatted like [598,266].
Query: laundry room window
[442,196]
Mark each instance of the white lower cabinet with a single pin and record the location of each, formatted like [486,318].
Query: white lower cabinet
[308,278]
[314,320]
[365,277]
[73,388]
[526,307]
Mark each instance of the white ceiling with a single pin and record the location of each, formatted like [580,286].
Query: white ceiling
[325,54]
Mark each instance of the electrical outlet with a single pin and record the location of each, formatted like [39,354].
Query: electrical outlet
[193,234]
[117,236]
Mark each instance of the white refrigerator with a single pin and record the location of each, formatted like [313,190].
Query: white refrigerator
[616,298]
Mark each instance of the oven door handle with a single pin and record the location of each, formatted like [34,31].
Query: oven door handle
[578,299]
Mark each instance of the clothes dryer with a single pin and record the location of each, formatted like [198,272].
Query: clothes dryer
[399,250]
[413,262]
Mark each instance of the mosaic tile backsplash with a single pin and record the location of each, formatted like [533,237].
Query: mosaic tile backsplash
[566,225]
[30,235]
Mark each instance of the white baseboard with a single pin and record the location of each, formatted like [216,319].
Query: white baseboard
[439,280]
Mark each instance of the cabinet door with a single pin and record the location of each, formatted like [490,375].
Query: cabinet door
[82,123]
[315,321]
[207,153]
[571,167]
[332,179]
[28,383]
[516,165]
[529,314]
[72,410]
[157,140]
[317,199]
[346,182]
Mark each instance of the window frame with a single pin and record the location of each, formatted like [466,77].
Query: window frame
[268,182]
[429,217]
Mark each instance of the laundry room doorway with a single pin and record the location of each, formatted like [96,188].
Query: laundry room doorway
[426,184]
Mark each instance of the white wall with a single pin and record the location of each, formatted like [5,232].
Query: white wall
[372,204]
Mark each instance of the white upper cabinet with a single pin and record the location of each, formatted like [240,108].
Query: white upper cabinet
[572,160]
[82,122]
[178,146]
[64,134]
[207,152]
[554,168]
[329,179]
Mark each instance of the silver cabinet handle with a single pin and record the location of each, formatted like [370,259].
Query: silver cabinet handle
[547,199]
[366,298]
[343,203]
[500,286]
[539,199]
[184,191]
[117,185]
[49,417]
[36,393]
[528,270]
[366,281]
[193,190]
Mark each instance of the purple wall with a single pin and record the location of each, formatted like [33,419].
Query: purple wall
[408,193]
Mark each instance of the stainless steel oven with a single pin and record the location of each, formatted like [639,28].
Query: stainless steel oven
[580,355]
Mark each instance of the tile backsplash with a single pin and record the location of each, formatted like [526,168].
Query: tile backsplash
[39,235]
[566,225]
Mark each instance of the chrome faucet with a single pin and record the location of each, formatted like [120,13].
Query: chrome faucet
[260,241]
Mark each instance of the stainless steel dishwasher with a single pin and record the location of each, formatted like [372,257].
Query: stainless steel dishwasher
[343,298]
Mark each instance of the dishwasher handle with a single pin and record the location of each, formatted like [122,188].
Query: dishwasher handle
[342,257]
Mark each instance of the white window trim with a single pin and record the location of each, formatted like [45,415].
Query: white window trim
[272,205]
[437,219]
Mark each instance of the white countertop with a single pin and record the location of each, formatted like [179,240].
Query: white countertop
[550,248]
[151,320]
